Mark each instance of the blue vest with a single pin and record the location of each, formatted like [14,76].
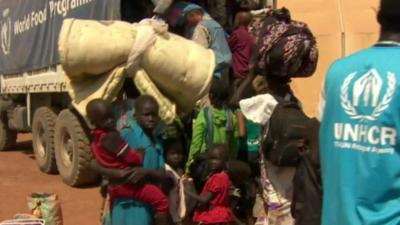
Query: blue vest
[219,45]
[360,152]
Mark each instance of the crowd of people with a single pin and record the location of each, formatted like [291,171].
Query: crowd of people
[248,154]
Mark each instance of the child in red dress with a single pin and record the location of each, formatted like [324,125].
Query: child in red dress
[214,206]
[111,151]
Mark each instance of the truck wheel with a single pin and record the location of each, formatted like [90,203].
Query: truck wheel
[8,138]
[43,139]
[72,148]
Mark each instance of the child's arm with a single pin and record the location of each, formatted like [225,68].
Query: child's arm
[139,174]
[132,157]
[198,136]
[241,124]
[202,199]
[115,175]
[113,142]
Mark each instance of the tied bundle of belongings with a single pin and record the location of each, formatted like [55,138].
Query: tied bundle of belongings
[45,206]
[285,48]
[97,56]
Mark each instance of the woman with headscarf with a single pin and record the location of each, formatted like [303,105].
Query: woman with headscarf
[284,49]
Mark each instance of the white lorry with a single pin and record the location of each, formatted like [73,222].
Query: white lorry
[33,87]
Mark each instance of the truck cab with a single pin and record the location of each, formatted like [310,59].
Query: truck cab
[33,87]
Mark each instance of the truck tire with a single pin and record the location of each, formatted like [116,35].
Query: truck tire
[8,138]
[43,125]
[72,148]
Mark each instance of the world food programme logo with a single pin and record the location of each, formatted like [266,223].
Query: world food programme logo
[367,93]
[6,33]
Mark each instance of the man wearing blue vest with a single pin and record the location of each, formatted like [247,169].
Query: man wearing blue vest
[204,30]
[360,144]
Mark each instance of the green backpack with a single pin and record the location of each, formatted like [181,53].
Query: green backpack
[208,115]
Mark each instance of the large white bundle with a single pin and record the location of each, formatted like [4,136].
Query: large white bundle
[89,47]
[181,69]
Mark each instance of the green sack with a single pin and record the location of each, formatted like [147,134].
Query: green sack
[45,206]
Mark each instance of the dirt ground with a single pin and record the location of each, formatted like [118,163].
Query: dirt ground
[20,176]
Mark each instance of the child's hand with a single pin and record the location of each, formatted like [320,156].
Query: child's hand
[137,175]
[119,176]
[187,182]
[124,174]
[103,187]
[186,176]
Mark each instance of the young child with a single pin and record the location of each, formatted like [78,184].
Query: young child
[111,151]
[143,132]
[215,125]
[174,157]
[214,205]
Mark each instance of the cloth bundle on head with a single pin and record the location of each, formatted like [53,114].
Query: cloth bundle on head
[285,48]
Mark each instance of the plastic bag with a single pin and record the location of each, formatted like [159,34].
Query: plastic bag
[23,222]
[45,206]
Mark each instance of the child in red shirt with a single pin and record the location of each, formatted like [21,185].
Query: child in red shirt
[111,151]
[214,207]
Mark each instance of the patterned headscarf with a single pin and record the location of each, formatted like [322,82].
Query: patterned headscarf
[286,48]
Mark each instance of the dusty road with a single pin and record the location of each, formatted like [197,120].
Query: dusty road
[19,176]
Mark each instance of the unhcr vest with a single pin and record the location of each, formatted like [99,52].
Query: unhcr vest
[359,139]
